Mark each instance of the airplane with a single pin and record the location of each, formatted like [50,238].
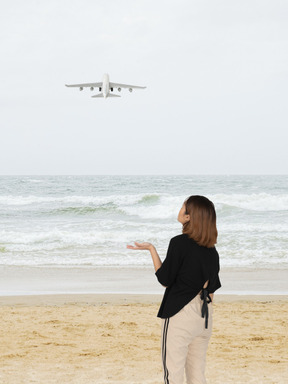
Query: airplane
[106,86]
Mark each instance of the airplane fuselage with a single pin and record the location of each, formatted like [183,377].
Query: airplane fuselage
[105,85]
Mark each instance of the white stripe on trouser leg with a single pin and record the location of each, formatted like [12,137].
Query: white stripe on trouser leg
[164,350]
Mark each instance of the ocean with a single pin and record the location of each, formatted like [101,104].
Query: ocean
[77,221]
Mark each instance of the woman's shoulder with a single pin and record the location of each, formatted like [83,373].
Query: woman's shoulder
[182,239]
[179,238]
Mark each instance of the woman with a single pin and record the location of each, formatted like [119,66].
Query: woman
[190,275]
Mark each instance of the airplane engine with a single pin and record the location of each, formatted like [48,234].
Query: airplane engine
[81,88]
[100,89]
[119,89]
[91,88]
[130,89]
[111,89]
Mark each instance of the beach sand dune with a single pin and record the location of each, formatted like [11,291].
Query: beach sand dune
[104,340]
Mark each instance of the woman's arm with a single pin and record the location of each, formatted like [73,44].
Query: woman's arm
[149,247]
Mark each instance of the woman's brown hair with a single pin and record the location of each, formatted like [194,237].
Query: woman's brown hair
[202,224]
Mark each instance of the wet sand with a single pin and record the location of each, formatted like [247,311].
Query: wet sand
[27,280]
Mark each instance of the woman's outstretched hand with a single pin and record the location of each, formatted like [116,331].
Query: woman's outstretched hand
[148,247]
[141,246]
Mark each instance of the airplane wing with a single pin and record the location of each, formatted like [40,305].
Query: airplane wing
[117,85]
[85,85]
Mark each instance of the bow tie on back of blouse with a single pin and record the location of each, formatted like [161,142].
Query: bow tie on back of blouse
[206,300]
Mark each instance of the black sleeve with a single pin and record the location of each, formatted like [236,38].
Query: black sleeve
[215,283]
[167,273]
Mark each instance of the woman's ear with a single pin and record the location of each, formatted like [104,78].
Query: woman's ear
[187,218]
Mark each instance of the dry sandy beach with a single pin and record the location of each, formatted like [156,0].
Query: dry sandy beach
[116,339]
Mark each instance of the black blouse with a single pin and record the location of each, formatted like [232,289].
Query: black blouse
[184,271]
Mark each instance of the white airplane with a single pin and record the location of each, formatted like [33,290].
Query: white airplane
[106,86]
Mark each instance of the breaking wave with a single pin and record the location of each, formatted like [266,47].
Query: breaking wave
[51,223]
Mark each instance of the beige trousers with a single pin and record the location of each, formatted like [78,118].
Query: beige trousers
[184,344]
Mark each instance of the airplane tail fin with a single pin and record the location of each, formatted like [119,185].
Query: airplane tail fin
[109,95]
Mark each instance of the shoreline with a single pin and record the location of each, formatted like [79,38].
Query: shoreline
[27,280]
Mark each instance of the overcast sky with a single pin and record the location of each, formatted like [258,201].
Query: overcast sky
[216,74]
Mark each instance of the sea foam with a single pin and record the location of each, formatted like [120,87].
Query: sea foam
[89,220]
